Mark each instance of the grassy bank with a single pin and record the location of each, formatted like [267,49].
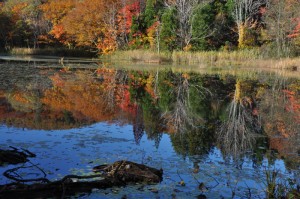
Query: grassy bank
[51,52]
[243,58]
[248,58]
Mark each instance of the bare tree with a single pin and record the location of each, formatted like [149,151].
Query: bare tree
[280,21]
[184,10]
[181,116]
[243,14]
[238,133]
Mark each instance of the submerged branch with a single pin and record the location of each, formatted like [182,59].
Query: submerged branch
[119,173]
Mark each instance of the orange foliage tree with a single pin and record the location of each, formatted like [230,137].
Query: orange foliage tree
[54,12]
[92,23]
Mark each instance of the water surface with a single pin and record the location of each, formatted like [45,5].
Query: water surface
[223,129]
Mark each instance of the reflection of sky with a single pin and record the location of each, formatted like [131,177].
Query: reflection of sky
[76,151]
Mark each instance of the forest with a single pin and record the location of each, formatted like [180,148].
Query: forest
[104,26]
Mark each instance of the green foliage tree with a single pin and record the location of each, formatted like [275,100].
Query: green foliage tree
[165,87]
[195,141]
[211,26]
[149,14]
[5,27]
[168,28]
[202,26]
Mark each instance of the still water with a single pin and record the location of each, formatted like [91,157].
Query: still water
[221,130]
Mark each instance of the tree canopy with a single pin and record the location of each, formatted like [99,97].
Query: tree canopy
[104,26]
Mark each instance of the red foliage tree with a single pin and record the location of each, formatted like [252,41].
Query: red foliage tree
[125,15]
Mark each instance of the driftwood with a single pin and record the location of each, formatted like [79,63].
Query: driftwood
[14,156]
[125,171]
[120,173]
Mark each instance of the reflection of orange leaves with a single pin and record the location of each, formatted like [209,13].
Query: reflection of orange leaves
[20,98]
[108,75]
[281,128]
[280,144]
[80,95]
[149,85]
[57,80]
[293,104]
[125,104]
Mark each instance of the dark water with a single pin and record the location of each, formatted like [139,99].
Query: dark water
[226,131]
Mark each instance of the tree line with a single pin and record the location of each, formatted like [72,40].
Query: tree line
[103,26]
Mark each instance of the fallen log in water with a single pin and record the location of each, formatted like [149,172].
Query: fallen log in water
[14,156]
[120,173]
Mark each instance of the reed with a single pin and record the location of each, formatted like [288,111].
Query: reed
[51,52]
[139,56]
[214,57]
[22,51]
[180,57]
[247,58]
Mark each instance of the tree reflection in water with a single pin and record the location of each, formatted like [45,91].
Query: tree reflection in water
[157,102]
[237,134]
[181,114]
[138,125]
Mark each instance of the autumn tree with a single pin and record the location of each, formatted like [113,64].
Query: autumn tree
[125,18]
[244,13]
[91,28]
[33,17]
[26,22]
[282,20]
[19,33]
[54,12]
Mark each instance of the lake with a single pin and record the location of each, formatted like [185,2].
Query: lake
[215,133]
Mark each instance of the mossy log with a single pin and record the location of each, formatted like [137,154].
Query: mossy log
[120,173]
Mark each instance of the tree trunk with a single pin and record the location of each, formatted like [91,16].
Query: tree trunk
[242,35]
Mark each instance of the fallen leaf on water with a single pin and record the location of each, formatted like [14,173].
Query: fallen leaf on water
[182,183]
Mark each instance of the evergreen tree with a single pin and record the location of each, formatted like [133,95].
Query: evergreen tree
[149,14]
[169,26]
[212,26]
[202,26]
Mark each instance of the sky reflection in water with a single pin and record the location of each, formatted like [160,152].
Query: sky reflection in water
[76,151]
[103,115]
